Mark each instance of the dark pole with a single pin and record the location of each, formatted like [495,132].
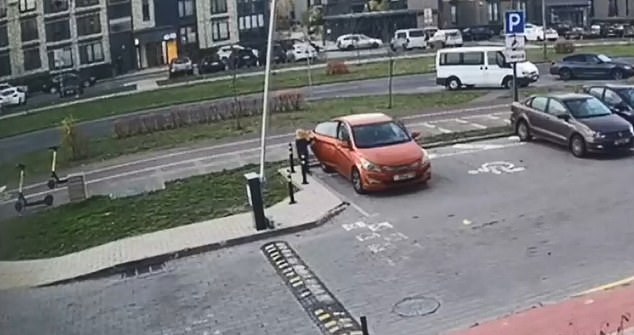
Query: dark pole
[390,75]
[304,168]
[291,162]
[291,189]
[515,93]
[364,326]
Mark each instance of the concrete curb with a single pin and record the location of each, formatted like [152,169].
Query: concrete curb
[494,134]
[163,258]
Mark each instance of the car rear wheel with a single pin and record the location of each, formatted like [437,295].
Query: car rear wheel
[565,74]
[453,83]
[578,146]
[507,83]
[350,47]
[375,45]
[617,74]
[523,131]
[357,182]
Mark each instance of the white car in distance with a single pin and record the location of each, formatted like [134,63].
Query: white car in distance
[358,41]
[535,33]
[13,97]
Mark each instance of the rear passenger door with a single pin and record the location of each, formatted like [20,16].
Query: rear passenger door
[537,116]
[473,68]
[323,145]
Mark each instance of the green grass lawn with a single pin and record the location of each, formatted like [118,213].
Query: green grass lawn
[199,92]
[107,148]
[99,220]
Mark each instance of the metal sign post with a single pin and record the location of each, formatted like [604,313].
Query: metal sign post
[515,51]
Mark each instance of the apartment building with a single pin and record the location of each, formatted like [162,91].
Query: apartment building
[49,36]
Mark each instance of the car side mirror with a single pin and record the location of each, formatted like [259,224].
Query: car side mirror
[565,117]
[345,143]
[415,135]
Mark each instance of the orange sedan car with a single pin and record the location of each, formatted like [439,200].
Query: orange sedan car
[372,150]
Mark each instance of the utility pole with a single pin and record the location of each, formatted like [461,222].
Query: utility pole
[544,29]
[265,98]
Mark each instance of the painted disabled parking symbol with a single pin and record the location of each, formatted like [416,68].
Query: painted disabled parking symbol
[497,168]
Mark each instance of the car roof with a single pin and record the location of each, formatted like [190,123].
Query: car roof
[611,85]
[474,48]
[366,118]
[564,95]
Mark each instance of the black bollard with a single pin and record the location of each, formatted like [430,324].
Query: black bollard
[304,164]
[290,157]
[291,189]
[364,326]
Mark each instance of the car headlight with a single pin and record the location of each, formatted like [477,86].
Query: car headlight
[369,166]
[598,135]
[627,67]
[425,159]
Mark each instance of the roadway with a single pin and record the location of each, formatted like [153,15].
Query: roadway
[16,146]
[128,82]
[470,247]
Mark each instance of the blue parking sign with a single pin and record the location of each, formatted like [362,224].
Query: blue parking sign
[514,22]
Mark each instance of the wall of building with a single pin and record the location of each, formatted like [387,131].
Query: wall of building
[205,18]
[425,5]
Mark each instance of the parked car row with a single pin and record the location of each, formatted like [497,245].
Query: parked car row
[585,122]
[236,57]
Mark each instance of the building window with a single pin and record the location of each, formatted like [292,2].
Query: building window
[185,8]
[28,29]
[4,36]
[26,5]
[32,59]
[145,8]
[218,6]
[454,16]
[91,53]
[88,24]
[613,9]
[5,64]
[220,30]
[188,35]
[61,58]
[58,30]
[55,6]
[86,3]
[254,21]
[3,8]
[120,26]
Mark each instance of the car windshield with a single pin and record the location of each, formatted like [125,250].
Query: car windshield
[7,93]
[379,134]
[628,94]
[582,108]
[604,58]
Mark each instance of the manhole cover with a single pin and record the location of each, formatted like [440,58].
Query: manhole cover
[416,306]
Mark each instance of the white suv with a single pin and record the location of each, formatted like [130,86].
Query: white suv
[357,41]
[408,39]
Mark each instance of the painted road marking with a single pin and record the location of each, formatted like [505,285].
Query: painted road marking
[319,303]
[477,125]
[379,238]
[606,287]
[497,168]
[461,120]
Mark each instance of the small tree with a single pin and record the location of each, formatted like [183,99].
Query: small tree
[73,140]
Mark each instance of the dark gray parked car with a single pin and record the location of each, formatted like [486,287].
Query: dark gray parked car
[579,121]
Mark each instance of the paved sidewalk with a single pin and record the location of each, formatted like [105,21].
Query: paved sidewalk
[601,313]
[315,203]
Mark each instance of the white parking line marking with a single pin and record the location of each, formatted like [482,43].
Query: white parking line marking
[461,121]
[477,125]
[426,124]
[446,131]
[492,117]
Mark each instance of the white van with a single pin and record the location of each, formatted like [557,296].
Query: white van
[408,39]
[481,66]
[447,38]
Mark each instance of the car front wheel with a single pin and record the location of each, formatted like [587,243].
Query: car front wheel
[357,182]
[578,146]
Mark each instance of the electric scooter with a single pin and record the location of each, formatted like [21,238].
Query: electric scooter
[22,202]
[55,180]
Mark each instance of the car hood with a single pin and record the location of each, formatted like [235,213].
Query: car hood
[527,67]
[393,155]
[620,62]
[606,124]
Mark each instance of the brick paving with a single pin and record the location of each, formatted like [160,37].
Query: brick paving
[313,202]
[602,313]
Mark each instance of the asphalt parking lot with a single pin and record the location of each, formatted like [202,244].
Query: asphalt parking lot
[474,245]
[538,225]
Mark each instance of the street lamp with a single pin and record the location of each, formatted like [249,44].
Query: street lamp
[265,98]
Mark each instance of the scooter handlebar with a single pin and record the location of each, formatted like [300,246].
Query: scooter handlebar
[54,148]
[21,166]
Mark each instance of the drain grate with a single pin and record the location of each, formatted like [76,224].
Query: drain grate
[143,270]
